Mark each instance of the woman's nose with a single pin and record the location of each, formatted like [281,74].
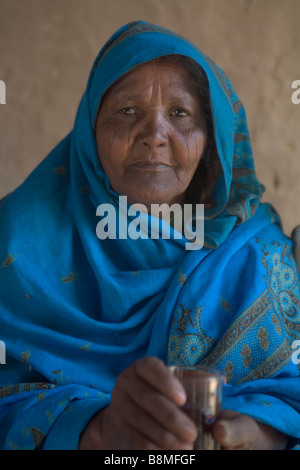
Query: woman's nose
[154,132]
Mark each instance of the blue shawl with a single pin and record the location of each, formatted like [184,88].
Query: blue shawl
[76,310]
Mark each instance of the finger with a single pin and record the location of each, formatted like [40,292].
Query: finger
[151,429]
[235,431]
[153,371]
[161,409]
[134,440]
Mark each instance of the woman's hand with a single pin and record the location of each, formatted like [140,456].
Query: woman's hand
[235,431]
[144,412]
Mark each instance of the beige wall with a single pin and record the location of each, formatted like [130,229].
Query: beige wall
[48,46]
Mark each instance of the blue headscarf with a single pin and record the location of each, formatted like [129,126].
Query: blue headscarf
[237,193]
[76,310]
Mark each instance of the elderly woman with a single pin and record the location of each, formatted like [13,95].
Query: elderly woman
[91,324]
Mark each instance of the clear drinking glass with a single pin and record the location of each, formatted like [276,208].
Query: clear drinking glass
[204,388]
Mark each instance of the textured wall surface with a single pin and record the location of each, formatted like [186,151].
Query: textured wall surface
[48,46]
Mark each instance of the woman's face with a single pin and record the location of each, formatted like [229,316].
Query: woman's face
[151,133]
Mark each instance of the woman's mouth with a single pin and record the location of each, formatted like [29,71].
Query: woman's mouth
[151,166]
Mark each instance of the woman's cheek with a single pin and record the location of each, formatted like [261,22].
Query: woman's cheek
[113,145]
[192,146]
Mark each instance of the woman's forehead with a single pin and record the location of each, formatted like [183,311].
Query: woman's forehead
[172,74]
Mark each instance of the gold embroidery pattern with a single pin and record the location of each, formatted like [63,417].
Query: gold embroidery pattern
[283,286]
[10,258]
[271,365]
[275,322]
[224,304]
[59,378]
[262,335]
[257,344]
[37,435]
[181,278]
[228,370]
[71,277]
[239,329]
[276,309]
[85,347]
[246,354]
[23,387]
[25,356]
[188,343]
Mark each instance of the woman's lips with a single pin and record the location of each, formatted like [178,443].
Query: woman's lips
[151,166]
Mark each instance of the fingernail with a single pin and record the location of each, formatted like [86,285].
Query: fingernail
[190,429]
[181,396]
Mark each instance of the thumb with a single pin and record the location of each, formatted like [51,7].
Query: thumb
[236,431]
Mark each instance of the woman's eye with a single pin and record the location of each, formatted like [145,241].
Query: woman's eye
[180,113]
[129,111]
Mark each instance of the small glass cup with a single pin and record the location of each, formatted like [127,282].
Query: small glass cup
[204,388]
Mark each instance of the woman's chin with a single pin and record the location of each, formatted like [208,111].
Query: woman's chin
[153,198]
